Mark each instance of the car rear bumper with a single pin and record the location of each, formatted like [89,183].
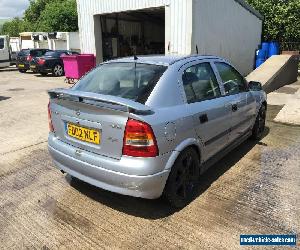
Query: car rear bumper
[40,69]
[145,186]
[22,66]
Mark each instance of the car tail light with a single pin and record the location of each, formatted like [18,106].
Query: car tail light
[29,58]
[139,140]
[51,128]
[41,61]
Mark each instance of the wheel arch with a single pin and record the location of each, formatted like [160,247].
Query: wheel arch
[188,143]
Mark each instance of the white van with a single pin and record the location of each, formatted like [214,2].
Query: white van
[5,55]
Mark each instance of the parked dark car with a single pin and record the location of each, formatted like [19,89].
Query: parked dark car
[51,62]
[25,56]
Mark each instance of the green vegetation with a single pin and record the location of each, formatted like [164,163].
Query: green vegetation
[13,27]
[2,21]
[282,19]
[44,15]
[59,16]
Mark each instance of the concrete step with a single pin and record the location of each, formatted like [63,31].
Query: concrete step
[290,113]
[276,72]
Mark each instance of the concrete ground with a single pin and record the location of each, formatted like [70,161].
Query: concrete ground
[253,190]
[289,96]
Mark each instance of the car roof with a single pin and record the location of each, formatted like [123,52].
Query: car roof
[33,49]
[163,59]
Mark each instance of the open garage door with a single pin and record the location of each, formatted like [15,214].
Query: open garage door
[140,32]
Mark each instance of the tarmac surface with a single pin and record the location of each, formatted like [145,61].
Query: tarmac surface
[255,189]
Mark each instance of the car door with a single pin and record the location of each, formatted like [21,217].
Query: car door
[4,52]
[207,107]
[239,99]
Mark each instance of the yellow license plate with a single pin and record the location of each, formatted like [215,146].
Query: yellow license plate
[21,65]
[83,134]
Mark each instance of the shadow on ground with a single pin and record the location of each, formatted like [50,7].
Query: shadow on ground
[3,98]
[8,69]
[159,208]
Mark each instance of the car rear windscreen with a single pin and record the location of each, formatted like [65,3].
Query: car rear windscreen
[37,53]
[24,52]
[133,81]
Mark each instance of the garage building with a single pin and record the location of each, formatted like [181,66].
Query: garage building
[117,28]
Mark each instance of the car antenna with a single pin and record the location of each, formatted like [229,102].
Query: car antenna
[197,49]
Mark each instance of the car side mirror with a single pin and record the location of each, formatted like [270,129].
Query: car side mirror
[255,86]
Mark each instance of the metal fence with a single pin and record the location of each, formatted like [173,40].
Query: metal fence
[290,46]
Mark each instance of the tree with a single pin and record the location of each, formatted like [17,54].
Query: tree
[45,15]
[281,19]
[13,27]
[59,16]
[33,13]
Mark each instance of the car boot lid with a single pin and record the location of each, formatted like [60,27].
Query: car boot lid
[106,101]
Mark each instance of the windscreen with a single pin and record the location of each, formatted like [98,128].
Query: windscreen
[133,81]
[37,53]
[1,43]
[24,52]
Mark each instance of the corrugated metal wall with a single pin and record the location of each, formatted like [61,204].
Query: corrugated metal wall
[227,29]
[219,27]
[178,27]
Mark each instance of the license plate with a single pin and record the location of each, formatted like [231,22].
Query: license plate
[32,66]
[21,65]
[83,134]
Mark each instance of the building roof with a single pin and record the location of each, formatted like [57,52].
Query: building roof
[247,6]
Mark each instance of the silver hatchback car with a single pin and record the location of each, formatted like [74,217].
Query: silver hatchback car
[152,125]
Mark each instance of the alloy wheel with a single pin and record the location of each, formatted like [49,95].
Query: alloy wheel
[58,70]
[185,179]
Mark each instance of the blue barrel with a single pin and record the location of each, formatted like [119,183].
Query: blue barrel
[273,49]
[260,54]
[265,46]
[259,61]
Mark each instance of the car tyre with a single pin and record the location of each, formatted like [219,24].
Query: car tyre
[22,70]
[182,182]
[58,70]
[260,123]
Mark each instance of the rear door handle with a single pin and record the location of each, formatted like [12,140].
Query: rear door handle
[203,118]
[234,107]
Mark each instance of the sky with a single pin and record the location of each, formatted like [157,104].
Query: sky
[12,8]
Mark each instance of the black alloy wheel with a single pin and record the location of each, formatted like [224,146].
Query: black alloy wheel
[260,123]
[182,182]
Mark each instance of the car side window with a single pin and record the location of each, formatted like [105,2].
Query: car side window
[1,43]
[233,81]
[200,83]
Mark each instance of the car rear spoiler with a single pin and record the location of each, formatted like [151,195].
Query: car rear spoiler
[104,101]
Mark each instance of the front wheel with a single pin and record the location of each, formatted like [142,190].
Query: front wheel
[181,184]
[260,123]
[58,70]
